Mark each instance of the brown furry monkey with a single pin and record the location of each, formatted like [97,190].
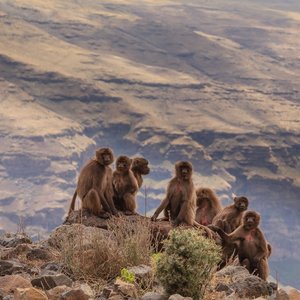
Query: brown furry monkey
[139,168]
[251,246]
[230,217]
[208,206]
[125,186]
[94,186]
[180,201]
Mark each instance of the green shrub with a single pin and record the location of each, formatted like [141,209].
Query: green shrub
[188,262]
[127,276]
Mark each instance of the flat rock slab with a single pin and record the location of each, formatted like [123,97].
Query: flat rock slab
[48,282]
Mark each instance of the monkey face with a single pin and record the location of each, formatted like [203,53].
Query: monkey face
[123,163]
[140,164]
[184,170]
[251,219]
[145,170]
[104,156]
[204,201]
[241,203]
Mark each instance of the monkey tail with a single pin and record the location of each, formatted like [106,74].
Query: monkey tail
[72,205]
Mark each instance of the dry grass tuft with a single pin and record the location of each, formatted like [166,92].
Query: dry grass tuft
[127,243]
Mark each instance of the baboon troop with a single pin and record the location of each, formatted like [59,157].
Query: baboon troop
[104,192]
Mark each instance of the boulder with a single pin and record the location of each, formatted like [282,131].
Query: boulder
[251,287]
[116,296]
[9,253]
[179,297]
[9,267]
[236,282]
[154,296]
[52,266]
[233,271]
[126,289]
[38,253]
[143,275]
[85,288]
[77,294]
[294,294]
[29,294]
[12,240]
[55,293]
[48,282]
[282,295]
[76,236]
[9,283]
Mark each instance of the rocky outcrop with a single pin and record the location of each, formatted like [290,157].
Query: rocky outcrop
[36,273]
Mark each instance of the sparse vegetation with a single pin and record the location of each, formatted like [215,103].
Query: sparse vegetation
[187,264]
[127,244]
[127,276]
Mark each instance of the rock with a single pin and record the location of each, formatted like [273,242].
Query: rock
[116,297]
[8,297]
[234,272]
[9,283]
[38,254]
[75,236]
[251,287]
[1,295]
[48,282]
[74,295]
[294,294]
[55,293]
[9,267]
[51,268]
[85,288]
[106,292]
[222,287]
[126,289]
[282,295]
[154,296]
[12,240]
[9,253]
[29,294]
[143,275]
[179,297]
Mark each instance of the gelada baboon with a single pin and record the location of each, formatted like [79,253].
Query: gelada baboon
[230,217]
[208,206]
[180,202]
[125,186]
[252,249]
[94,186]
[139,168]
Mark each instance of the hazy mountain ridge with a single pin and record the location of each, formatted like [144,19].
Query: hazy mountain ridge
[215,83]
